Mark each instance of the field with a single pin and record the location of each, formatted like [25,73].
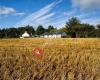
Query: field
[63,59]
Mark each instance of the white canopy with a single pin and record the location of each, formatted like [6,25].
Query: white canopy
[25,35]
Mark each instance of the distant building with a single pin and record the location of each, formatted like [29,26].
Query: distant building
[25,35]
[54,35]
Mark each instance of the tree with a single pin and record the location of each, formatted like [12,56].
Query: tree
[98,26]
[76,29]
[30,30]
[4,33]
[72,22]
[50,28]
[63,29]
[12,33]
[70,26]
[27,28]
[40,30]
[85,30]
[98,30]
[89,30]
[0,33]
[21,30]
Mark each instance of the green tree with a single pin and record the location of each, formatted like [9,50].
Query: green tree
[27,28]
[12,33]
[0,33]
[72,22]
[98,26]
[85,30]
[89,30]
[4,33]
[63,29]
[21,30]
[40,30]
[50,28]
[30,30]
[98,30]
[71,25]
[77,29]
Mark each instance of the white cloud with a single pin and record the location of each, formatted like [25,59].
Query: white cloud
[92,21]
[20,14]
[6,10]
[86,4]
[70,13]
[88,16]
[58,23]
[9,11]
[36,15]
[40,17]
[46,17]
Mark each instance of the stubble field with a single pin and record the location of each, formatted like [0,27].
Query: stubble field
[63,59]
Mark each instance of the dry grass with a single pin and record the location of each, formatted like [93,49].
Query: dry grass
[64,59]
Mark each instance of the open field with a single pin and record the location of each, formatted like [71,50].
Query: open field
[63,59]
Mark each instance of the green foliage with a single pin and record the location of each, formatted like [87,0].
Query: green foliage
[72,22]
[71,25]
[74,28]
[98,26]
[21,30]
[63,29]
[27,28]
[30,30]
[40,30]
[77,29]
[50,28]
[3,33]
[16,32]
[12,32]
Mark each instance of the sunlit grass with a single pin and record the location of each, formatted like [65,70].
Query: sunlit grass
[63,59]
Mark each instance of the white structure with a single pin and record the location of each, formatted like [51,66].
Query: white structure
[53,35]
[25,35]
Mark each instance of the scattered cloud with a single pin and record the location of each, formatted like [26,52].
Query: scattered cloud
[6,10]
[86,11]
[9,11]
[86,4]
[19,14]
[41,17]
[70,13]
[90,17]
[46,16]
[92,21]
[60,22]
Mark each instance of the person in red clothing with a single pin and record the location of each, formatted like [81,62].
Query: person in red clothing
[37,52]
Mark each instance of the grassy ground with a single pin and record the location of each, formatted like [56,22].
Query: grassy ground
[63,59]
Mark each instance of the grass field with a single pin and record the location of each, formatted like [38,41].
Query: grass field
[63,59]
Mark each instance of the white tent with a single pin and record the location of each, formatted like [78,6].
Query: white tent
[25,35]
[54,35]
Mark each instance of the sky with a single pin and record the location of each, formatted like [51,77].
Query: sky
[17,13]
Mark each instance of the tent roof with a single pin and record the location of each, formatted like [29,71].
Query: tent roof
[25,34]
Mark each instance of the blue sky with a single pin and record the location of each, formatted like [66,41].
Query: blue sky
[16,13]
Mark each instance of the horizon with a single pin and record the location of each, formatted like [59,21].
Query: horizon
[17,13]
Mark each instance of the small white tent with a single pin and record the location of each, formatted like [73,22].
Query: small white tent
[25,35]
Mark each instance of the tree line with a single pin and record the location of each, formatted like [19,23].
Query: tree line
[73,28]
